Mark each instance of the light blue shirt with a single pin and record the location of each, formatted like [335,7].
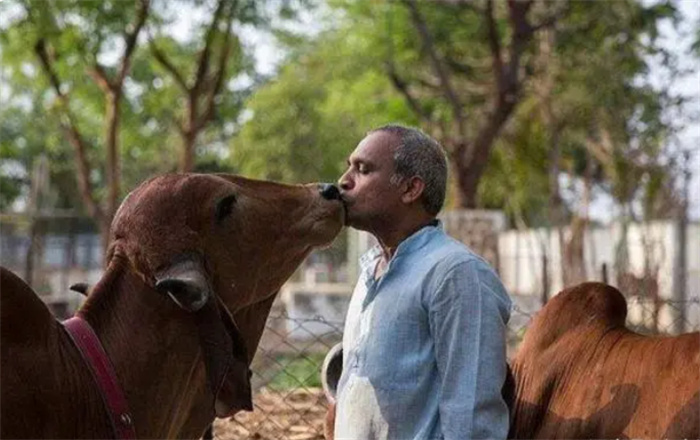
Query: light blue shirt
[424,347]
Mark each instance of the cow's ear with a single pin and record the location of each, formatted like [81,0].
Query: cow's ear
[81,288]
[224,207]
[186,283]
[234,392]
[225,359]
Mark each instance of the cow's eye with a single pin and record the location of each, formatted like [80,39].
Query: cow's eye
[224,207]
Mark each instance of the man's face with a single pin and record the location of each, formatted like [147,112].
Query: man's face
[366,186]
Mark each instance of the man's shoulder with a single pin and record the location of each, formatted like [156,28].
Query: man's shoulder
[440,255]
[452,259]
[450,249]
[445,254]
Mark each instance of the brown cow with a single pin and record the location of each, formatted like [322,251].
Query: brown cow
[192,270]
[580,373]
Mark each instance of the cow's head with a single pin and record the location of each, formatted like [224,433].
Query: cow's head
[211,239]
[242,237]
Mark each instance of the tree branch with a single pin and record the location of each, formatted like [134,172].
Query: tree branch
[473,157]
[220,71]
[98,74]
[438,67]
[469,5]
[167,65]
[517,14]
[130,40]
[553,18]
[71,132]
[522,34]
[494,44]
[45,60]
[402,87]
[466,67]
[203,61]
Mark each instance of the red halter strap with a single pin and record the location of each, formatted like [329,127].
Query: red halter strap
[102,371]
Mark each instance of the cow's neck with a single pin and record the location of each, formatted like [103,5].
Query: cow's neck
[155,350]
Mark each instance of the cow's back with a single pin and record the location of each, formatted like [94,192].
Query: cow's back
[44,383]
[25,323]
[23,316]
[581,374]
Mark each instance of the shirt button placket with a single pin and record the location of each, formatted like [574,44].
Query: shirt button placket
[365,321]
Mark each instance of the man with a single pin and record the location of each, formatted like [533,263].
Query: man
[424,353]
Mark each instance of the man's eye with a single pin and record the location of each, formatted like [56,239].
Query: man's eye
[362,169]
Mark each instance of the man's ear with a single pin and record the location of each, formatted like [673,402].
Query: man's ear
[413,189]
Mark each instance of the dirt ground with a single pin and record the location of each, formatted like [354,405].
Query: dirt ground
[294,415]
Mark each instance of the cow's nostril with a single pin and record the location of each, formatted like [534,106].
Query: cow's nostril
[329,191]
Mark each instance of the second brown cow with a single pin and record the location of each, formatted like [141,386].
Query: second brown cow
[580,373]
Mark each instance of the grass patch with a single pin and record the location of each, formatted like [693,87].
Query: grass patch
[300,371]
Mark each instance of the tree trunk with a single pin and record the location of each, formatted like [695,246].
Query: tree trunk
[31,251]
[470,151]
[470,161]
[104,228]
[467,184]
[189,138]
[112,90]
[112,119]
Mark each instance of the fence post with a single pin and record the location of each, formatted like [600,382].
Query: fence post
[679,274]
[545,279]
[604,272]
[38,191]
[680,265]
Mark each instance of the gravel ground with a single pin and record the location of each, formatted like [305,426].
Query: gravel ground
[293,415]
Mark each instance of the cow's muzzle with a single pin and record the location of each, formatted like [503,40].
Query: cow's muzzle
[329,191]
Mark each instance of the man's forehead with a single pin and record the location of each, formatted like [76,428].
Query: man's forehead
[374,147]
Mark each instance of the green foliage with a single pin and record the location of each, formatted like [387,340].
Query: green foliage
[603,111]
[79,35]
[26,132]
[307,120]
[516,180]
[301,124]
[604,97]
[336,86]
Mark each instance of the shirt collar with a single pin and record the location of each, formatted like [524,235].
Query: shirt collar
[414,242]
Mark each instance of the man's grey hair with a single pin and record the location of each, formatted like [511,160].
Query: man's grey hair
[417,154]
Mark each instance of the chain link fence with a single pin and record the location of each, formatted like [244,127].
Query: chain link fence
[287,395]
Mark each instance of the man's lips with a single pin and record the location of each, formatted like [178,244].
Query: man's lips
[344,201]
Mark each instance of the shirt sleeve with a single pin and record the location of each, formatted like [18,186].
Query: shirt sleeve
[468,311]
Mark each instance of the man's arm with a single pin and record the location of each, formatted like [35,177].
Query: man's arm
[329,422]
[469,311]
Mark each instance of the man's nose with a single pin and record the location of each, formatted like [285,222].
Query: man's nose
[329,191]
[344,182]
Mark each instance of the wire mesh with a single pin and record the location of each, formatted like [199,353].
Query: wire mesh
[288,400]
